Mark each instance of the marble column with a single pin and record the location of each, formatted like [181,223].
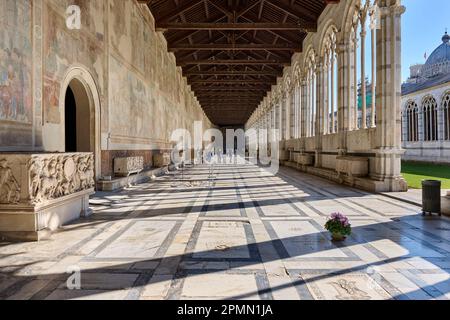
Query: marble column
[354,101]
[387,164]
[373,61]
[288,115]
[332,96]
[405,129]
[344,94]
[420,119]
[298,109]
[363,76]
[325,84]
[440,123]
[283,117]
[279,117]
[320,107]
[305,109]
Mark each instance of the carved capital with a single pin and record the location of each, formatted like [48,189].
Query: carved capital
[393,10]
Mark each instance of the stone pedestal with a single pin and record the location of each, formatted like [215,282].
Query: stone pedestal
[283,155]
[352,166]
[305,159]
[161,160]
[42,192]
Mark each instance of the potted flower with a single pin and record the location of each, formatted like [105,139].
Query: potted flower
[339,226]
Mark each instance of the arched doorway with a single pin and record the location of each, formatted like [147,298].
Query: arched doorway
[79,135]
[81,117]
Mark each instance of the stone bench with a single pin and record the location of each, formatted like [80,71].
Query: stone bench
[128,165]
[352,166]
[41,192]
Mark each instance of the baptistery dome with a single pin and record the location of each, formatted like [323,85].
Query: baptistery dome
[439,61]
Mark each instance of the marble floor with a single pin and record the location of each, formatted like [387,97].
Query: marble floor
[238,233]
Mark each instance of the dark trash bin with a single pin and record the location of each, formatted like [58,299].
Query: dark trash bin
[431,196]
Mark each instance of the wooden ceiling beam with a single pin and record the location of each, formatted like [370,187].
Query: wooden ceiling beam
[225,11]
[260,26]
[185,6]
[180,36]
[266,82]
[283,62]
[248,8]
[304,15]
[242,99]
[229,90]
[221,87]
[240,47]
[229,94]
[233,73]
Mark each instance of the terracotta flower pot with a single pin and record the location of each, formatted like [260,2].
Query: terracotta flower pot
[338,237]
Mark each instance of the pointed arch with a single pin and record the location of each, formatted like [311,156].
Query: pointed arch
[430,118]
[445,105]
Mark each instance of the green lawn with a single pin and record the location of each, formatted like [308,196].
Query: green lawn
[414,173]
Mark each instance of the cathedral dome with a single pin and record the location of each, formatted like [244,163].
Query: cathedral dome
[441,54]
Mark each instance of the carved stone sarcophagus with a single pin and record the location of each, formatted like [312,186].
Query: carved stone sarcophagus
[43,191]
[161,160]
[128,165]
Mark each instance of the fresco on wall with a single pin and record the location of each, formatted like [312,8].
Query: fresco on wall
[130,102]
[15,61]
[64,47]
[130,31]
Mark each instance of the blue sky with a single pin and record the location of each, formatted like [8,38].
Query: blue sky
[423,25]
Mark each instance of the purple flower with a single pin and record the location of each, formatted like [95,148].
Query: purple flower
[339,217]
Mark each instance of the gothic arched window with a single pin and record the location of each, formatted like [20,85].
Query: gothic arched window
[412,121]
[363,40]
[312,94]
[446,113]
[430,119]
[330,79]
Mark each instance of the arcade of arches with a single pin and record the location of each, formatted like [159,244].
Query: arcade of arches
[85,111]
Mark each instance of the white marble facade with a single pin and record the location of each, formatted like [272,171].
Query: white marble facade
[426,108]
[421,145]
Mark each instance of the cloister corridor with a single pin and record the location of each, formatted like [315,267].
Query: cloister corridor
[235,232]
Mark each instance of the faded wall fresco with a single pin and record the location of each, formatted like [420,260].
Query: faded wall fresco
[15,60]
[143,96]
[146,80]
[63,47]
[129,99]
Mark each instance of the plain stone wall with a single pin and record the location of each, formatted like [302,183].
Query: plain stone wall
[142,94]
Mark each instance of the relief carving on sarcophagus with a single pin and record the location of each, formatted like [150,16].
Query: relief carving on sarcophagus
[56,176]
[9,187]
[40,191]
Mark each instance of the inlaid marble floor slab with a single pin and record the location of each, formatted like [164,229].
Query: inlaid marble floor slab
[236,233]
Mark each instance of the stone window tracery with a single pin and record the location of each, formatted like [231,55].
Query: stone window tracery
[293,115]
[430,119]
[365,20]
[412,121]
[331,81]
[446,115]
[297,96]
[311,94]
